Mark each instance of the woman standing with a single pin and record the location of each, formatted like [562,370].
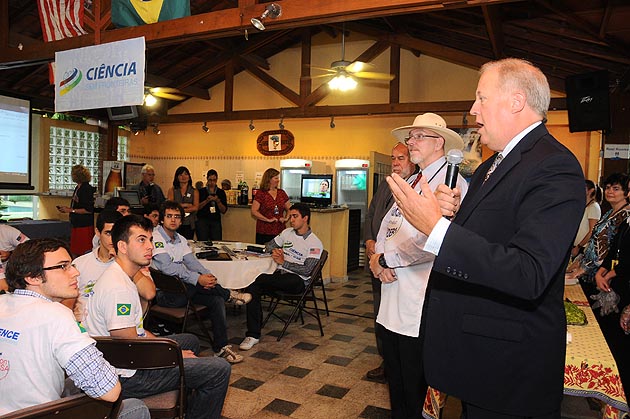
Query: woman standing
[616,193]
[270,207]
[212,203]
[592,213]
[183,192]
[81,211]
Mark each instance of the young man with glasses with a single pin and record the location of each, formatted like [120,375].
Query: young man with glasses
[40,336]
[115,310]
[174,257]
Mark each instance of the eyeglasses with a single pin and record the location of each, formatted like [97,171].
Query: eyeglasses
[175,216]
[63,266]
[418,137]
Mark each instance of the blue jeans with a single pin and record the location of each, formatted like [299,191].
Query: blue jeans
[213,298]
[133,409]
[208,376]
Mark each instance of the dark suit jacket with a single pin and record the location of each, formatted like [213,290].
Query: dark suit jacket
[495,322]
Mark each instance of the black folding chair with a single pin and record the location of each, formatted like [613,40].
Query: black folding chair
[179,315]
[149,353]
[298,302]
[319,281]
[72,407]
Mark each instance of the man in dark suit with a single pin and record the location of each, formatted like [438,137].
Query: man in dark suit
[494,317]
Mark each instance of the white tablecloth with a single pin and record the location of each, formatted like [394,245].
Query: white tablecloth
[239,272]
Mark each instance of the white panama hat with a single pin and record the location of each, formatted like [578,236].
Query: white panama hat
[435,123]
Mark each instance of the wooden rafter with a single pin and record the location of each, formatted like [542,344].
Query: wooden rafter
[286,92]
[492,18]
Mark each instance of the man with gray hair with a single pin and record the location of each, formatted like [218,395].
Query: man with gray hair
[149,191]
[494,310]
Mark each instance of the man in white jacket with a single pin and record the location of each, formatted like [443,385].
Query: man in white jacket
[404,268]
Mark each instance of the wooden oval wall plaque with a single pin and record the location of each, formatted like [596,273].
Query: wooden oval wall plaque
[278,142]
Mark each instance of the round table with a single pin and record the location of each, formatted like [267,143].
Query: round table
[242,270]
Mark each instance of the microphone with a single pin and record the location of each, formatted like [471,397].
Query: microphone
[454,159]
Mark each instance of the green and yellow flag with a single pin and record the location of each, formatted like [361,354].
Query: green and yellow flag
[139,12]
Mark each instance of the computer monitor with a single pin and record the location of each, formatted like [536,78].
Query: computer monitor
[317,190]
[132,197]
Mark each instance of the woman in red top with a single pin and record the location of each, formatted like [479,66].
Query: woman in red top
[270,207]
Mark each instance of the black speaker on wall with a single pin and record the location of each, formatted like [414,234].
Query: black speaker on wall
[588,101]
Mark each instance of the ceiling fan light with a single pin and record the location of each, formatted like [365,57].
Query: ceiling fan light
[205,127]
[150,100]
[342,83]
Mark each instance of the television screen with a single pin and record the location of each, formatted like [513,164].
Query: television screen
[316,190]
[15,137]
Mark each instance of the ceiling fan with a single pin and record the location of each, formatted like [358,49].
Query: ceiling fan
[165,93]
[344,72]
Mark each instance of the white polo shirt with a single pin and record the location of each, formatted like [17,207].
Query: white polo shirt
[90,269]
[37,339]
[10,237]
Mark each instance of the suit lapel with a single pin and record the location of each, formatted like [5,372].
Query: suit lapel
[478,189]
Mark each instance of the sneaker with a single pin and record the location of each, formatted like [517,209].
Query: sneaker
[239,298]
[248,343]
[229,355]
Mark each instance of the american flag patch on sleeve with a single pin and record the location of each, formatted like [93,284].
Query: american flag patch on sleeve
[314,251]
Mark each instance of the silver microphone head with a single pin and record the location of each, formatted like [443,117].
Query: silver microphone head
[454,156]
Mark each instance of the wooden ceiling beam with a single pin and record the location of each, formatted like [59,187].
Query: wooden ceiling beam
[233,22]
[603,26]
[286,92]
[4,24]
[415,108]
[201,73]
[305,62]
[586,27]
[492,17]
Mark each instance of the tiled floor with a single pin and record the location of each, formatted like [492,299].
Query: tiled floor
[306,375]
[309,376]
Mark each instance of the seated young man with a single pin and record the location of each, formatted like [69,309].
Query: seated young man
[114,310]
[296,251]
[115,203]
[92,265]
[10,237]
[41,336]
[152,212]
[173,256]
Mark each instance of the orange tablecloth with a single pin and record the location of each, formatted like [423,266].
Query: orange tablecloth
[590,369]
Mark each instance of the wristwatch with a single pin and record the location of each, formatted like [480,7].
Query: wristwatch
[382,261]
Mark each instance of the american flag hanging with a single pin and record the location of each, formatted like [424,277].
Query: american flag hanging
[60,19]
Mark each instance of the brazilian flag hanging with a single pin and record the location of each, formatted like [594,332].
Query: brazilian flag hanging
[139,12]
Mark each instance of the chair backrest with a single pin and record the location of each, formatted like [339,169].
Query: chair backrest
[148,353]
[141,353]
[317,272]
[167,283]
[72,407]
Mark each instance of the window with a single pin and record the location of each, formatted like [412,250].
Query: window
[69,147]
[16,206]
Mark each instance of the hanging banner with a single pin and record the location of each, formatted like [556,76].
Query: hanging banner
[100,76]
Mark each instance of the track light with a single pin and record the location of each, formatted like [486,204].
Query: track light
[251,125]
[135,132]
[332,122]
[281,124]
[150,100]
[272,10]
[156,129]
[205,127]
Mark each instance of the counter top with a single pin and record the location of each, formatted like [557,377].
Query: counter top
[313,209]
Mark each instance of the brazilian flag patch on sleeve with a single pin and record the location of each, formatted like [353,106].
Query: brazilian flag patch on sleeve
[159,245]
[123,309]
